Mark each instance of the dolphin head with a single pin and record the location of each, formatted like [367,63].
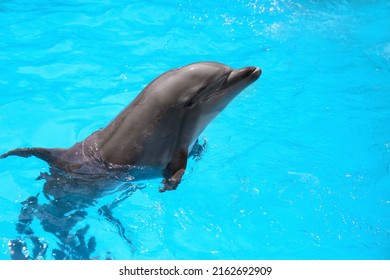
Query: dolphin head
[204,84]
[201,91]
[217,84]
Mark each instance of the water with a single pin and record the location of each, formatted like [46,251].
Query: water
[297,167]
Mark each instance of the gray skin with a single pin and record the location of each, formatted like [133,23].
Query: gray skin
[156,131]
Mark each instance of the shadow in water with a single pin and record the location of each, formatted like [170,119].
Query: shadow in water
[67,199]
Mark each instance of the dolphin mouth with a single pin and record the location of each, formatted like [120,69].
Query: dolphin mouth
[242,77]
[251,73]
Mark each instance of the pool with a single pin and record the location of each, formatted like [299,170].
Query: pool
[296,167]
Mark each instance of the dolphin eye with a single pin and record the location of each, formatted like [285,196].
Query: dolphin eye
[201,89]
[195,100]
[189,104]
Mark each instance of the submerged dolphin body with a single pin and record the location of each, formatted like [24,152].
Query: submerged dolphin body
[156,131]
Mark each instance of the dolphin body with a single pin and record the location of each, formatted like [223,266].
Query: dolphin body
[156,131]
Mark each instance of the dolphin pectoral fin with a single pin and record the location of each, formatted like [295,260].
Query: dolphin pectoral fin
[198,149]
[175,171]
[172,183]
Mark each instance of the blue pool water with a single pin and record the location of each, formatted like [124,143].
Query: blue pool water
[297,166]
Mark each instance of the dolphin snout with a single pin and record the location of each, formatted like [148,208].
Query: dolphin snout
[251,72]
[257,72]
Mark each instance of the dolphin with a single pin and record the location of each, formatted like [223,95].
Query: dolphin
[156,131]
